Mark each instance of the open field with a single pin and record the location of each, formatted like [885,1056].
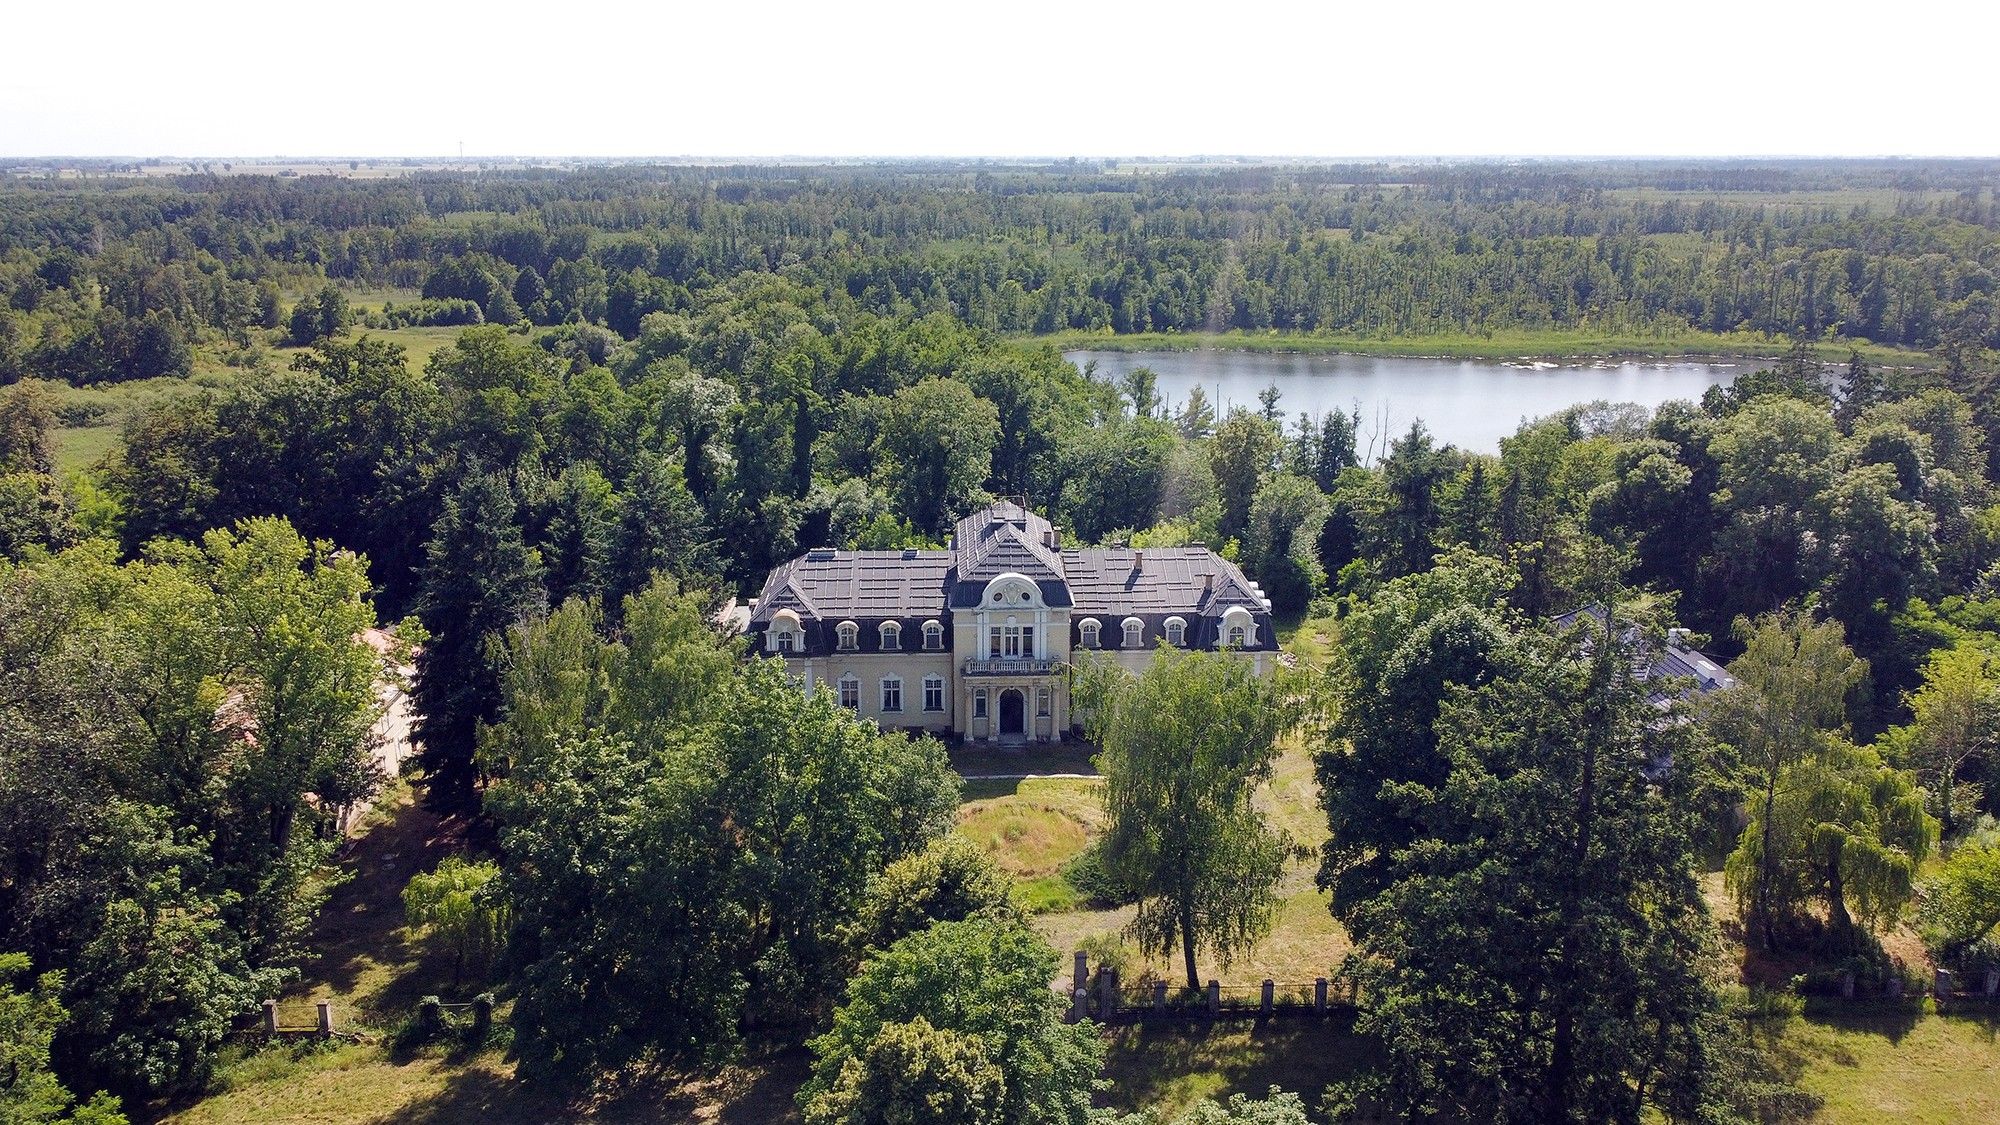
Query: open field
[1500,344]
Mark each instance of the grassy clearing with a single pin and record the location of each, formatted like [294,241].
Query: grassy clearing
[99,412]
[1174,1065]
[1499,344]
[1906,1067]
[1031,827]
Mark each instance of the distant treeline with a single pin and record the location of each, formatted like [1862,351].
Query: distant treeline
[110,279]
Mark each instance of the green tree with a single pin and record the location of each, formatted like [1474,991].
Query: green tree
[984,984]
[1183,747]
[1960,904]
[1955,722]
[718,828]
[458,912]
[1789,706]
[27,428]
[1843,829]
[1539,951]
[480,577]
[950,880]
[1413,476]
[1280,537]
[916,1074]
[1400,656]
[1244,450]
[31,1094]
[937,439]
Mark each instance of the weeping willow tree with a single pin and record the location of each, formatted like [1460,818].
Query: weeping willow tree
[1185,744]
[1845,831]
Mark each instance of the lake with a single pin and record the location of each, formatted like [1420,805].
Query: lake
[1470,403]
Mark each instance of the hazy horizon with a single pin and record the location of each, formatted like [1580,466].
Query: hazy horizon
[897,79]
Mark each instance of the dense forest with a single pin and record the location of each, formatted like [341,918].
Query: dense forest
[660,382]
[114,280]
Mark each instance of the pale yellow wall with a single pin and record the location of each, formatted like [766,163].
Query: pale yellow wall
[870,668]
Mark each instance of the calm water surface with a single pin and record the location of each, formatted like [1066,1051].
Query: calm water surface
[1470,403]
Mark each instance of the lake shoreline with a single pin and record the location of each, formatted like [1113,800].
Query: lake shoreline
[1502,347]
[1473,403]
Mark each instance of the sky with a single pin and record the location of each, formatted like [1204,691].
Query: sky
[1019,78]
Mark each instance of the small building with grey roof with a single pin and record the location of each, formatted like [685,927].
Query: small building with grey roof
[979,640]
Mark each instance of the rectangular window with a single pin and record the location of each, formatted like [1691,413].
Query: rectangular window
[1012,648]
[1027,640]
[933,694]
[850,694]
[979,704]
[892,695]
[993,645]
[1042,701]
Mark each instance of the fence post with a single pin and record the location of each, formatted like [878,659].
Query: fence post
[1993,982]
[270,1017]
[1319,996]
[1269,1000]
[1082,974]
[482,1015]
[1941,984]
[1847,985]
[1214,998]
[325,1017]
[1107,992]
[1079,1003]
[1159,998]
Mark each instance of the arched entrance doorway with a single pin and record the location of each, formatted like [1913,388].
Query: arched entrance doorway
[1013,712]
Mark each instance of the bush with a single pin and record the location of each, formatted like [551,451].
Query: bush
[951,879]
[1085,871]
[985,981]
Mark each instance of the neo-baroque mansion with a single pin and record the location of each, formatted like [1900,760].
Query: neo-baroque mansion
[977,640]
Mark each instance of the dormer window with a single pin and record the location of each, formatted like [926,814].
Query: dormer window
[1135,633]
[892,636]
[1238,629]
[933,637]
[1176,632]
[786,634]
[1087,631]
[850,636]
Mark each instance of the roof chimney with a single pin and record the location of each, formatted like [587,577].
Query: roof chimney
[1138,560]
[1208,582]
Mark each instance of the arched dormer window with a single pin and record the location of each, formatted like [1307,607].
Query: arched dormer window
[892,636]
[850,636]
[1011,589]
[1239,629]
[933,636]
[785,633]
[1176,632]
[1087,632]
[1135,633]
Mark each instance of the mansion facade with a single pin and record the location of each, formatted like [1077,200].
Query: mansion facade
[977,640]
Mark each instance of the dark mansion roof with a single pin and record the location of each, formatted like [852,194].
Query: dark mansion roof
[1005,538]
[1653,660]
